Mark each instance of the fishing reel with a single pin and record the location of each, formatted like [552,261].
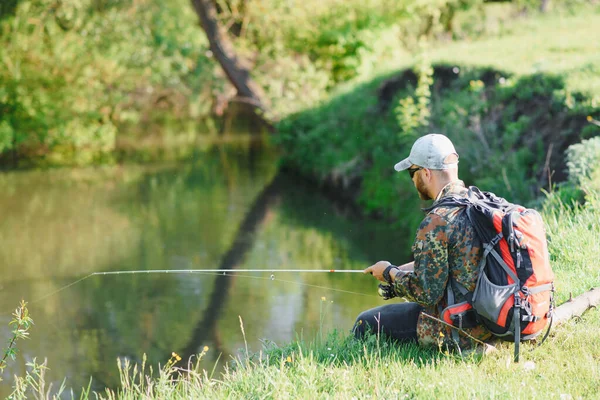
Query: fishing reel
[386,291]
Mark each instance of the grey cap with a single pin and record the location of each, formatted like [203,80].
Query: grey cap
[429,151]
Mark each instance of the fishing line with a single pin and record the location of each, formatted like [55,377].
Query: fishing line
[217,272]
[310,285]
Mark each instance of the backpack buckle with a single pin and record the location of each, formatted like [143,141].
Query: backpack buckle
[530,318]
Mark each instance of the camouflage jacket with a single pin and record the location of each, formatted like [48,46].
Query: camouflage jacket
[445,246]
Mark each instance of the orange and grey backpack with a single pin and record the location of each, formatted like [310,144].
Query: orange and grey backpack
[513,296]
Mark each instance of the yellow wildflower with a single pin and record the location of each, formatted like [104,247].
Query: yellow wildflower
[323,298]
[205,349]
[288,359]
[589,118]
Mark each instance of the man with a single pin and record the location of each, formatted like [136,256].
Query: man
[446,251]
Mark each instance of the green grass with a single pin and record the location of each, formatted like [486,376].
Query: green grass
[557,43]
[566,366]
[574,234]
[562,43]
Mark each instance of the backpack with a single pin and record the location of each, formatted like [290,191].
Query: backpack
[513,296]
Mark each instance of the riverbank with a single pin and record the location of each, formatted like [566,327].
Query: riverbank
[565,367]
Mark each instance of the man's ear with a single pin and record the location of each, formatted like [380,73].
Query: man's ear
[427,172]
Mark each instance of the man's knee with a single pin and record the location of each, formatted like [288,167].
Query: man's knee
[363,324]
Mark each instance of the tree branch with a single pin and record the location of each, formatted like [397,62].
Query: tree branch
[577,306]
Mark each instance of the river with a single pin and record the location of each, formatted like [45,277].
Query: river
[220,205]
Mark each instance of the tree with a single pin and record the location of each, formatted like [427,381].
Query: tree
[236,69]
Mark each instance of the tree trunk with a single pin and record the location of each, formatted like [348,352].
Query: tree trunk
[544,5]
[577,306]
[222,49]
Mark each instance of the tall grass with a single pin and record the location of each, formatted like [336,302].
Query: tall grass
[565,367]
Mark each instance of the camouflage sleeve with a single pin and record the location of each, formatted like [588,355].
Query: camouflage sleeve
[427,283]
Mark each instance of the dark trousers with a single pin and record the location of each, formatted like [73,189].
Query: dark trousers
[397,321]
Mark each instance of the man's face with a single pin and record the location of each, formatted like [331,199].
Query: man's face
[420,184]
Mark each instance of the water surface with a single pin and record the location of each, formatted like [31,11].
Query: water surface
[222,206]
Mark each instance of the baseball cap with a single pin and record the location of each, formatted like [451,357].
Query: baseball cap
[429,151]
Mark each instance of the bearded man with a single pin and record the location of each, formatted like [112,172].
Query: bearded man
[446,251]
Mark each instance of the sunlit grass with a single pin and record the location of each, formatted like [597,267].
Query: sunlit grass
[561,43]
[574,246]
[556,43]
[564,367]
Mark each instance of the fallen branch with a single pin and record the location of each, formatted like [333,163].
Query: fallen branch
[577,306]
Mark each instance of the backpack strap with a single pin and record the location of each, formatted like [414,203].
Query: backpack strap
[517,325]
[450,301]
[489,249]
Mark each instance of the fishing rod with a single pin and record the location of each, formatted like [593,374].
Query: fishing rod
[224,271]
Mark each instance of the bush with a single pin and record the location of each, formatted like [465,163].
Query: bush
[72,71]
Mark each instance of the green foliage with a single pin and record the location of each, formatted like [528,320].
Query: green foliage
[574,237]
[301,49]
[413,111]
[34,384]
[72,71]
[583,160]
[499,124]
[21,322]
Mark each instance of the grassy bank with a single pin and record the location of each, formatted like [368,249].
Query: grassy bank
[566,367]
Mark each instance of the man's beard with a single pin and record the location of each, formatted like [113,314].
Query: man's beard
[420,185]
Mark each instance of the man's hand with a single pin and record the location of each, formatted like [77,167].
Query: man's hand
[377,270]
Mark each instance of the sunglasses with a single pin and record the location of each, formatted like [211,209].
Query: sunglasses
[413,171]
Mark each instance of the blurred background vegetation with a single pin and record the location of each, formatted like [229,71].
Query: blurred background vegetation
[77,76]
